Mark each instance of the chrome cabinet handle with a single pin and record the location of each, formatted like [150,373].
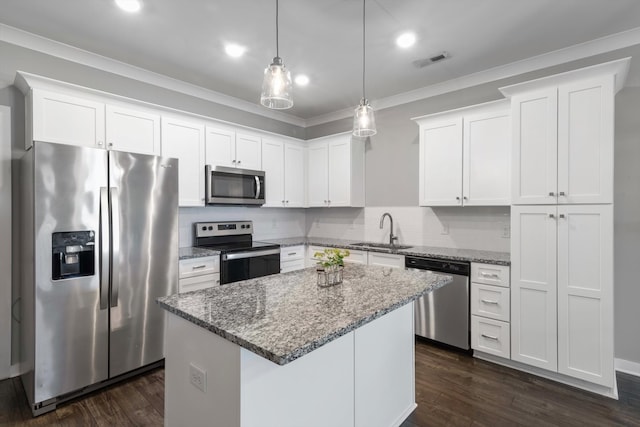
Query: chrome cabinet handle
[492,275]
[457,198]
[465,198]
[198,267]
[552,216]
[292,253]
[100,142]
[552,194]
[561,216]
[233,161]
[561,193]
[491,337]
[239,161]
[488,301]
[110,144]
[287,201]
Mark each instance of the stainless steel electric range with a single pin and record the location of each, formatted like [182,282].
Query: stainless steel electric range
[241,257]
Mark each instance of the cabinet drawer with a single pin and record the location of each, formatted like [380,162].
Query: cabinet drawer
[357,257]
[198,282]
[490,274]
[291,253]
[199,266]
[491,336]
[291,265]
[490,301]
[386,260]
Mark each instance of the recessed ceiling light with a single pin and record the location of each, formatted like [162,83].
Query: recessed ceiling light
[302,80]
[235,50]
[406,40]
[130,6]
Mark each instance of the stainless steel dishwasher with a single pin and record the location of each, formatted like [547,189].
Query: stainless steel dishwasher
[443,315]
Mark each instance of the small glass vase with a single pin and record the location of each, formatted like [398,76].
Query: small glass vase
[329,276]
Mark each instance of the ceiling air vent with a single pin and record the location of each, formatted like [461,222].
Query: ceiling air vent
[421,63]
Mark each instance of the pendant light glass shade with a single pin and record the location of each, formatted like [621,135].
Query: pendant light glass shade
[277,86]
[364,122]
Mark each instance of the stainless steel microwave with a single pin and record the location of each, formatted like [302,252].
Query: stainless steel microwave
[232,186]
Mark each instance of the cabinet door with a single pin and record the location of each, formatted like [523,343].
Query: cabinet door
[585,293]
[220,147]
[487,159]
[534,162]
[441,163]
[340,171]
[185,141]
[294,184]
[585,141]
[273,166]
[66,119]
[133,131]
[318,174]
[248,152]
[533,286]
[386,260]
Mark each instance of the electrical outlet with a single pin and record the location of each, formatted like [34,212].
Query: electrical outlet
[506,231]
[445,228]
[198,377]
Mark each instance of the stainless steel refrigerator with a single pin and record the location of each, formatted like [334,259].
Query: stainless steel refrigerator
[99,245]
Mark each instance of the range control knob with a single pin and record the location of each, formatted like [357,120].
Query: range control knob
[210,228]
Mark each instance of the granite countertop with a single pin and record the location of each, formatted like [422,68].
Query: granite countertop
[285,316]
[470,255]
[194,252]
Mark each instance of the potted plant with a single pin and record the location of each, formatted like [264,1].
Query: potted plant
[330,264]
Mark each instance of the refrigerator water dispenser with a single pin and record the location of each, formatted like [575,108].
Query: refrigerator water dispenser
[73,254]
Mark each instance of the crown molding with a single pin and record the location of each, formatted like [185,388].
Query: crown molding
[70,53]
[583,50]
[550,59]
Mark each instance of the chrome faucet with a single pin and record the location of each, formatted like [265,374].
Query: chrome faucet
[392,238]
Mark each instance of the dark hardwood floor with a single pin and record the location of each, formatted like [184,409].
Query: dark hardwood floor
[452,389]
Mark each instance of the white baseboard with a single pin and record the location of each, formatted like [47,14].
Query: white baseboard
[404,415]
[628,367]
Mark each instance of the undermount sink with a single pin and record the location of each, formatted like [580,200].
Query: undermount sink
[380,245]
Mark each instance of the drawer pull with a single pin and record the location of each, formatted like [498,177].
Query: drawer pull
[490,337]
[198,267]
[488,301]
[490,275]
[292,253]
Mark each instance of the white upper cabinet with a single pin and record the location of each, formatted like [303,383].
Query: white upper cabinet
[65,119]
[294,176]
[563,136]
[464,157]
[335,173]
[225,147]
[184,140]
[132,130]
[283,164]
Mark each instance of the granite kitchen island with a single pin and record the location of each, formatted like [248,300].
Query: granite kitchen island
[282,351]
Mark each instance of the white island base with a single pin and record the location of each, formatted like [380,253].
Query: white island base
[364,378]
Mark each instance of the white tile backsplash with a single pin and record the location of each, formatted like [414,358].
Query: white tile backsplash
[451,227]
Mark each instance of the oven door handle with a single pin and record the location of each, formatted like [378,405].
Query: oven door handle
[251,254]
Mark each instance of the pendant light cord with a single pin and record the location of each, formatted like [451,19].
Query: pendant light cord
[277,47]
[363,43]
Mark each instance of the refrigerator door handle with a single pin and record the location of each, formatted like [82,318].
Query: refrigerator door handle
[115,245]
[104,248]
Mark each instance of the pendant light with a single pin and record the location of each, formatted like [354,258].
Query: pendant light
[277,86]
[364,122]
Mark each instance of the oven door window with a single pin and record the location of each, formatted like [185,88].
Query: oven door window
[234,186]
[249,268]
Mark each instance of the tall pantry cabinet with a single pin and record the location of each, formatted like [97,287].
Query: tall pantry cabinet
[562,222]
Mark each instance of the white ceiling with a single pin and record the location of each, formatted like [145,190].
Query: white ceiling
[322,38]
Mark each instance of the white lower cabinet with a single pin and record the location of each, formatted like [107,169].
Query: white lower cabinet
[386,260]
[292,258]
[198,273]
[562,292]
[490,309]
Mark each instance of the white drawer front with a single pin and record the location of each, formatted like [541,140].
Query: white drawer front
[291,253]
[291,265]
[198,282]
[490,274]
[313,249]
[490,301]
[357,257]
[491,336]
[386,260]
[199,266]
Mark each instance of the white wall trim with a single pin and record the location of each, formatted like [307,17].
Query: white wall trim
[628,367]
[557,57]
[70,53]
[583,50]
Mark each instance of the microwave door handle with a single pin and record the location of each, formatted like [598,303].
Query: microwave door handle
[257,186]
[104,248]
[208,185]
[115,245]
